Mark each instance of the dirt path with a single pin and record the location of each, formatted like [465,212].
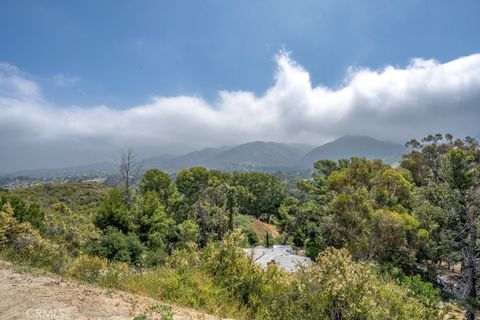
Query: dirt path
[26,296]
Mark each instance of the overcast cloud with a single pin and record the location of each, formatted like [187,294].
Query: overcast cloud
[395,103]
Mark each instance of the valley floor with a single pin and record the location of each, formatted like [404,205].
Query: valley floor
[26,296]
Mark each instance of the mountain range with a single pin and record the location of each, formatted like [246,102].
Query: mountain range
[358,146]
[257,155]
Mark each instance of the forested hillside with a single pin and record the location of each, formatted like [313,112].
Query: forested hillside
[381,238]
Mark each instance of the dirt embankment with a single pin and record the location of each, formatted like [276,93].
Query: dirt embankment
[262,228]
[26,296]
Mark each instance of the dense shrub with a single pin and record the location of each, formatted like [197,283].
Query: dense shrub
[114,213]
[87,268]
[21,241]
[336,287]
[25,213]
[117,246]
[424,292]
[251,236]
[235,271]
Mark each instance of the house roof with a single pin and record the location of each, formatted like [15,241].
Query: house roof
[281,255]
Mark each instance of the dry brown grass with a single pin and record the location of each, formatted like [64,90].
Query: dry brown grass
[261,228]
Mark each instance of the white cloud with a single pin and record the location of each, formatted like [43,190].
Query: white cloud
[14,84]
[394,103]
[63,80]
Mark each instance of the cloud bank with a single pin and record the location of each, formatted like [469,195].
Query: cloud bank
[395,103]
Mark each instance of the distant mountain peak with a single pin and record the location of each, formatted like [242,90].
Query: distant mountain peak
[355,146]
[352,137]
[254,155]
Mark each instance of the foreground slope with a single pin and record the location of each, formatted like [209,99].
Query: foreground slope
[24,296]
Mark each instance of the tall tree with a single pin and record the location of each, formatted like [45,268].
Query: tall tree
[294,214]
[261,195]
[448,167]
[362,205]
[212,213]
[114,213]
[462,176]
[190,182]
[158,182]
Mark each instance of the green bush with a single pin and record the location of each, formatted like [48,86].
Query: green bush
[187,287]
[117,246]
[233,270]
[22,242]
[251,236]
[425,292]
[336,287]
[114,213]
[87,268]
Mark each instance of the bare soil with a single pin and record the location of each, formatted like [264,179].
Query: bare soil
[261,228]
[39,297]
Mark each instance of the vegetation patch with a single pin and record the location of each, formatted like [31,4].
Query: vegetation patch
[378,236]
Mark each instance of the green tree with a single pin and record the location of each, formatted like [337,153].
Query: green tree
[363,205]
[462,176]
[190,182]
[447,202]
[293,215]
[159,182]
[187,232]
[114,213]
[118,246]
[154,225]
[211,210]
[262,195]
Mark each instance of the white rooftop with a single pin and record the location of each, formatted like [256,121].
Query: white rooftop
[282,256]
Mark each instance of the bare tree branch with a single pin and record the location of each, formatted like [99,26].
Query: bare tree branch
[129,168]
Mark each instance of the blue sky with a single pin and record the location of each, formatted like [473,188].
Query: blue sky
[82,79]
[121,53]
